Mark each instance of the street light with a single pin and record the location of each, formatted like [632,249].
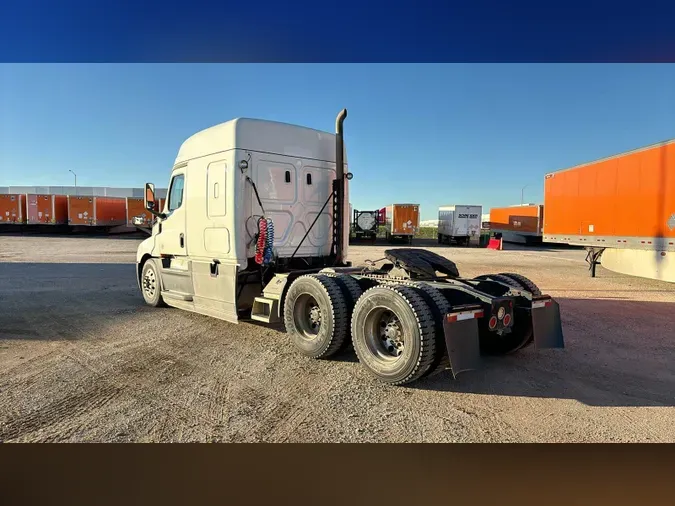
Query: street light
[522,194]
[75,180]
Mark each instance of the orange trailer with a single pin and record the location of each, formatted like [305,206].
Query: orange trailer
[624,202]
[97,211]
[12,209]
[47,209]
[401,220]
[521,223]
[136,207]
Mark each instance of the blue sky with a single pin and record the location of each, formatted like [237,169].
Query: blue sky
[431,134]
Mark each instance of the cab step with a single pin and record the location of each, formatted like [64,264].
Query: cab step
[265,310]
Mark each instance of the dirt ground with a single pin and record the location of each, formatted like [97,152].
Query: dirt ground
[83,359]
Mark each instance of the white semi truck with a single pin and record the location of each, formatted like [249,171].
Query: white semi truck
[255,227]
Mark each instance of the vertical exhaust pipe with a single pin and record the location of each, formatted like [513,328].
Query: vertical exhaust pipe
[340,183]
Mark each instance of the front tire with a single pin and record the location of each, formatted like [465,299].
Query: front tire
[316,316]
[151,285]
[393,334]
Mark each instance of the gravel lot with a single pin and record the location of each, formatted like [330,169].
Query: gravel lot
[83,359]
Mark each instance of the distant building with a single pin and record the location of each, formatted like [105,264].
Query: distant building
[96,191]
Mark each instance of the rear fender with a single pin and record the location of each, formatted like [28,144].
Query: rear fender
[546,323]
[460,328]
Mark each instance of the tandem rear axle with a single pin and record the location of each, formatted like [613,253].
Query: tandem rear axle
[411,317]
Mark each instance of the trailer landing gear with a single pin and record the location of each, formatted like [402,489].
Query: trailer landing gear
[593,259]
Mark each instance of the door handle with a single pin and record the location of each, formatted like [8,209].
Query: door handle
[182,241]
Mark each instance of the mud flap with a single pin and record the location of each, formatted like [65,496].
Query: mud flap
[461,341]
[546,324]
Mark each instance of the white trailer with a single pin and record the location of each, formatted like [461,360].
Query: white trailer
[247,233]
[460,224]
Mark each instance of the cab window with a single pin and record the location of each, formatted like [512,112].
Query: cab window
[176,192]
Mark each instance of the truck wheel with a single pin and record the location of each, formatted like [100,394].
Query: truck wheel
[393,333]
[150,284]
[440,307]
[524,283]
[440,239]
[351,291]
[315,316]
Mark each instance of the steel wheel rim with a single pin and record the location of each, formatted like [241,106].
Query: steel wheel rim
[385,337]
[307,316]
[149,283]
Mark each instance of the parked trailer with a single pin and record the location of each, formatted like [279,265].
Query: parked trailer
[519,224]
[401,221]
[96,211]
[231,232]
[365,224]
[12,209]
[459,224]
[138,215]
[47,209]
[620,208]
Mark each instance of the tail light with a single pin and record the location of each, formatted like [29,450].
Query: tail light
[493,322]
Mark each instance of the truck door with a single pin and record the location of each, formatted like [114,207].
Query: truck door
[172,238]
[461,222]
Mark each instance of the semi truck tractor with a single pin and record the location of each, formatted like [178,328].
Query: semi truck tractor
[255,227]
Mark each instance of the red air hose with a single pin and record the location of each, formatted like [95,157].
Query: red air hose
[262,240]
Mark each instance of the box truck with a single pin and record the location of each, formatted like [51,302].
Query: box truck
[519,223]
[255,227]
[12,209]
[401,221]
[620,208]
[95,211]
[460,224]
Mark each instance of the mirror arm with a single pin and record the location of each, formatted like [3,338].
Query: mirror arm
[157,213]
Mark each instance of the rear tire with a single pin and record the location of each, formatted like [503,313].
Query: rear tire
[524,283]
[315,315]
[351,291]
[151,286]
[393,333]
[440,307]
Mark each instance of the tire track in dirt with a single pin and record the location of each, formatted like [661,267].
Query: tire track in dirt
[61,412]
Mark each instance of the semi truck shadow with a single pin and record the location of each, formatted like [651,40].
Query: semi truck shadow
[66,301]
[618,353]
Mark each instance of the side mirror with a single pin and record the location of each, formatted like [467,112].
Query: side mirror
[149,200]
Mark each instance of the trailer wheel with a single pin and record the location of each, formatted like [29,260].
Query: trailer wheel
[351,291]
[440,239]
[440,307]
[315,315]
[393,333]
[524,283]
[150,284]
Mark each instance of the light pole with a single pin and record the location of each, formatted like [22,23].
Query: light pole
[522,194]
[75,180]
